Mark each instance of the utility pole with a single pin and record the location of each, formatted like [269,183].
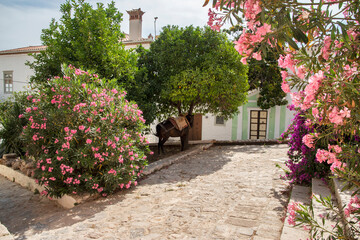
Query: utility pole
[155,18]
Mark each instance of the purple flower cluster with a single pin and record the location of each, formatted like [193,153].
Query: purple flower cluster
[302,162]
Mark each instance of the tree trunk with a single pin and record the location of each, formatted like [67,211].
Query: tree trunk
[191,109]
[190,112]
[179,108]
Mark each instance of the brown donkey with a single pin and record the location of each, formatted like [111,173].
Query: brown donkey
[168,128]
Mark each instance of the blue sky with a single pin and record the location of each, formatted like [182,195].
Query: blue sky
[21,21]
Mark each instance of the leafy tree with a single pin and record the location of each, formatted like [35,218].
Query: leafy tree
[193,69]
[139,88]
[265,75]
[86,38]
[11,126]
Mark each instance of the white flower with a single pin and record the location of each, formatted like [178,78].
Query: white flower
[305,15]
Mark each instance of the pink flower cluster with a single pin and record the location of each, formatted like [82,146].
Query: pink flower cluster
[311,89]
[326,48]
[246,43]
[215,22]
[287,61]
[285,87]
[329,157]
[88,138]
[65,169]
[337,116]
[292,208]
[308,140]
[353,205]
[247,40]
[252,9]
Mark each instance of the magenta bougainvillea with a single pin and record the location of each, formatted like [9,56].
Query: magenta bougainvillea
[84,135]
[302,163]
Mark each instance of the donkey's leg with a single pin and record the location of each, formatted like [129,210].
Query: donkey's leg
[182,138]
[159,146]
[162,144]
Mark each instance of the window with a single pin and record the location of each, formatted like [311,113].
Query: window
[8,82]
[258,123]
[219,120]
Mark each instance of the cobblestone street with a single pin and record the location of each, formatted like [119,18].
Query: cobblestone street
[226,192]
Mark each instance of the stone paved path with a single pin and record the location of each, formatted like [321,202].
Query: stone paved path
[231,192]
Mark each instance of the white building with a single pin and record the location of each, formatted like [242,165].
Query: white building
[251,123]
[134,38]
[15,75]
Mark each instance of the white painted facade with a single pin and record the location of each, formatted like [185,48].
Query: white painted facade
[289,114]
[238,128]
[211,130]
[21,72]
[278,119]
[133,44]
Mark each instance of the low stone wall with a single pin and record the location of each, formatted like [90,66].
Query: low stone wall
[18,177]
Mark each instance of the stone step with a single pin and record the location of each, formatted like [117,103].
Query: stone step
[4,233]
[319,188]
[301,195]
[343,198]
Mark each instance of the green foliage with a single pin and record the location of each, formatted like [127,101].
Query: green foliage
[86,38]
[265,75]
[193,69]
[12,125]
[140,89]
[319,226]
[84,135]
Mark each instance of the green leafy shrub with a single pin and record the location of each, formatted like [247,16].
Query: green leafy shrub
[84,135]
[12,125]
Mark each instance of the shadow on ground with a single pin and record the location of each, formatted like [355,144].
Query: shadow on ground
[191,167]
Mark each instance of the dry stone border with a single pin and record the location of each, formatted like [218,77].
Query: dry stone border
[11,160]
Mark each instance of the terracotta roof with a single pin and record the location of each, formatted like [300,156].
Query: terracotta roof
[30,49]
[35,49]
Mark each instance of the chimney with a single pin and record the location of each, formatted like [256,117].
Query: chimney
[135,32]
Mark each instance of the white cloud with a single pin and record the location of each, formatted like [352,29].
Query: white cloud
[21,27]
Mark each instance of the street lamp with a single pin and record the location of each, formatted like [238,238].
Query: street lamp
[155,18]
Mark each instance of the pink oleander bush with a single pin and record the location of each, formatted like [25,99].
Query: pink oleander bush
[319,43]
[84,135]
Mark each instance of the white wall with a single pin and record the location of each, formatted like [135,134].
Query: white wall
[211,130]
[289,114]
[130,45]
[21,73]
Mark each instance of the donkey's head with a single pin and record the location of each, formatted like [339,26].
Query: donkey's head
[190,118]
